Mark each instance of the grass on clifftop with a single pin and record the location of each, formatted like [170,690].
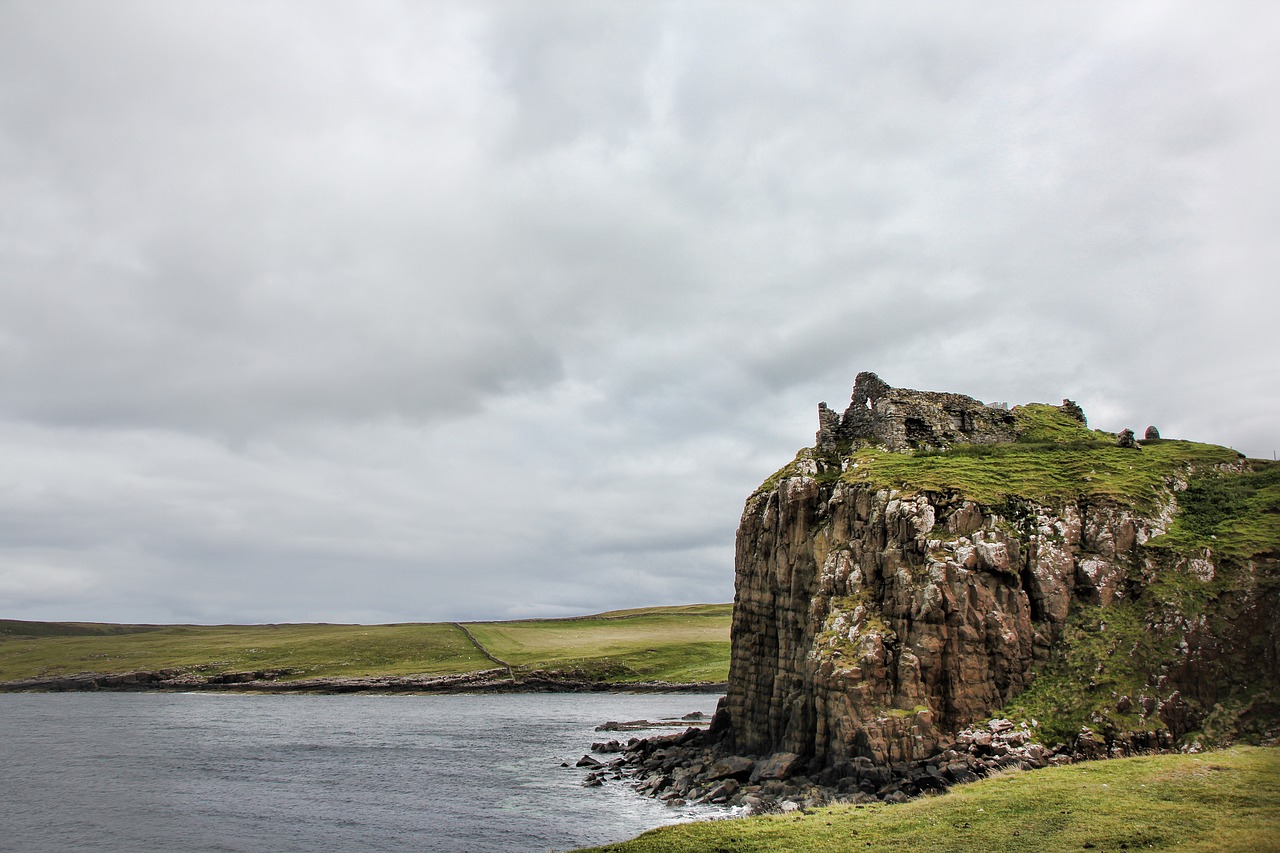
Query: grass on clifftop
[1220,801]
[1055,459]
[679,644]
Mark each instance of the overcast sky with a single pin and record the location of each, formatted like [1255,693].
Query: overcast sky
[430,311]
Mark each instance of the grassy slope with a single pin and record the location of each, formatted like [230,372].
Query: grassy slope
[313,650]
[671,644]
[1218,801]
[666,644]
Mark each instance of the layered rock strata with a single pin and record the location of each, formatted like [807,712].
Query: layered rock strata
[871,625]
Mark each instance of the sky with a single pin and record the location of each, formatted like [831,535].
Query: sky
[383,312]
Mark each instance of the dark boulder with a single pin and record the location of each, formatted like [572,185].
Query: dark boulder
[1125,439]
[733,766]
[780,765]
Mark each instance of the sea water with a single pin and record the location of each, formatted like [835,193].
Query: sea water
[245,772]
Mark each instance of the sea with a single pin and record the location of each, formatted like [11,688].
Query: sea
[246,772]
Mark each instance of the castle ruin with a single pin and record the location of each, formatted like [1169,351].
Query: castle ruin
[901,419]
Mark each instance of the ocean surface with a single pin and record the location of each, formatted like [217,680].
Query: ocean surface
[243,772]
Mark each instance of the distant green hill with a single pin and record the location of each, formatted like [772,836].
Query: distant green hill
[676,644]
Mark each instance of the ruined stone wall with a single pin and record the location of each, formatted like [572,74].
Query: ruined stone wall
[903,419]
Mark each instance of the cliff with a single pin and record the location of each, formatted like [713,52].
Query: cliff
[933,560]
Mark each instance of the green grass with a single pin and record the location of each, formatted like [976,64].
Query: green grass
[1104,653]
[1220,801]
[308,650]
[1050,474]
[680,644]
[1055,459]
[1108,653]
[1233,515]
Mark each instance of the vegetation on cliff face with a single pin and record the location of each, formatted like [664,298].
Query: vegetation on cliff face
[677,644]
[1109,660]
[1098,676]
[1216,801]
[1106,671]
[1235,515]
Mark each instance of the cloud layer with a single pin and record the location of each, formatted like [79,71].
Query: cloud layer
[475,310]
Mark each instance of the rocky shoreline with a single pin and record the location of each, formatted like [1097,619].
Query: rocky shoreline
[697,766]
[280,681]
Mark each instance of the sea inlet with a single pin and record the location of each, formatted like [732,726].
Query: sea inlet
[246,772]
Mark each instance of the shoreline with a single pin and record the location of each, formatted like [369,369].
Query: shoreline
[269,681]
[700,766]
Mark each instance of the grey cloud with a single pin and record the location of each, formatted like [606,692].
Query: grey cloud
[488,309]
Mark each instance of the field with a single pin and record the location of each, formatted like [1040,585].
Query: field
[1219,801]
[680,644]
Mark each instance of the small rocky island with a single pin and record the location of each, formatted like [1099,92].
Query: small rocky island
[940,587]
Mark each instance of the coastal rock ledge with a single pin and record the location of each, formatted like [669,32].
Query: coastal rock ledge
[285,681]
[934,560]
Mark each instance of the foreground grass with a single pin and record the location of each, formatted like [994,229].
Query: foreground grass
[678,644]
[1217,801]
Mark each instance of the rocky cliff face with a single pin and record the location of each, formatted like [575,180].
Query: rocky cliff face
[932,558]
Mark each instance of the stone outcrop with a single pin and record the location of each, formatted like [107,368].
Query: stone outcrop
[1072,409]
[874,624]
